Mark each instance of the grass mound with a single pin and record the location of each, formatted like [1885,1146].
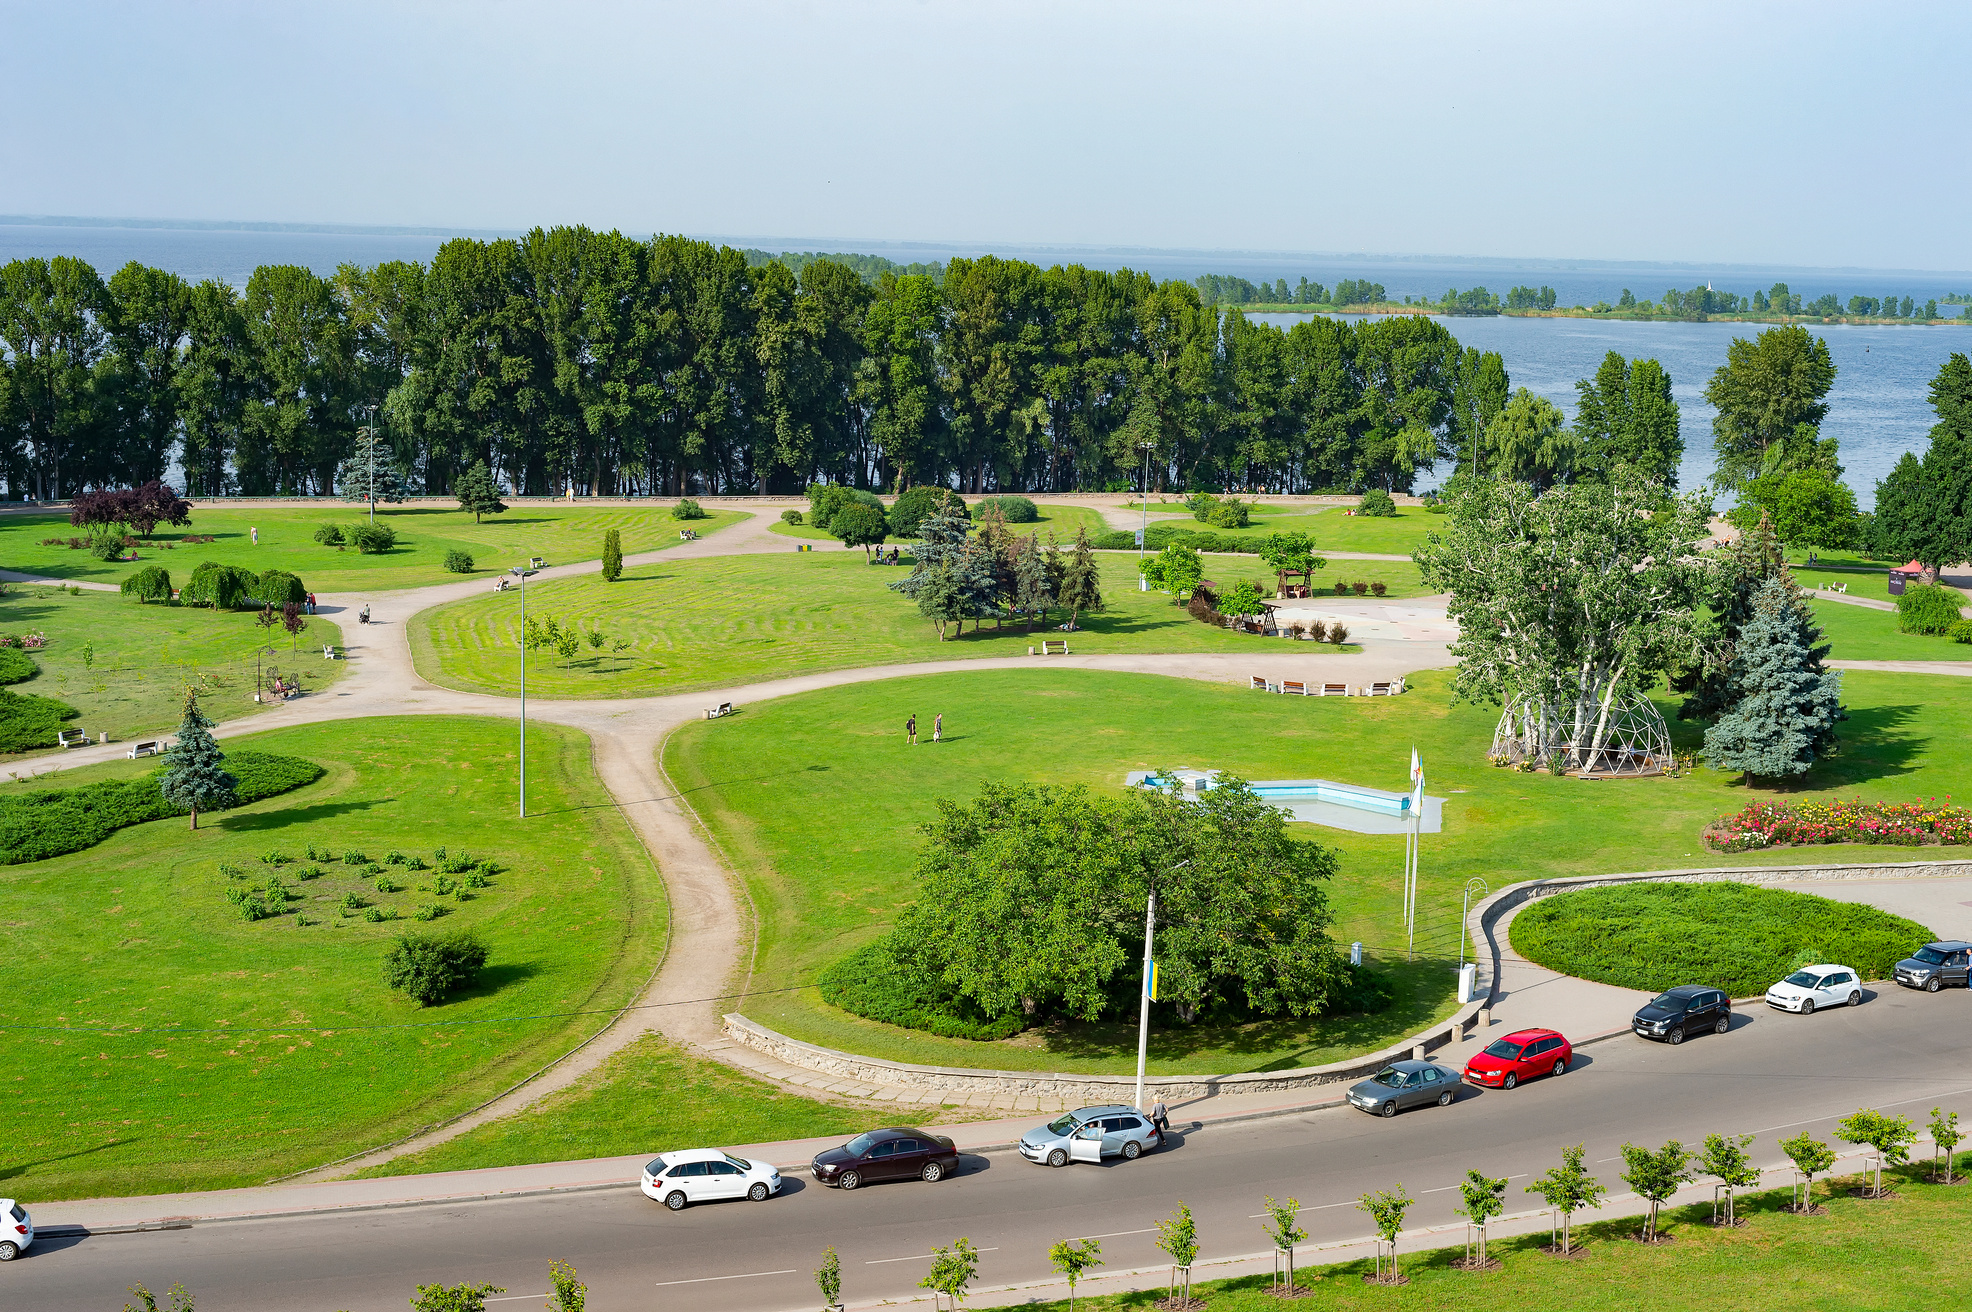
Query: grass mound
[1728,936]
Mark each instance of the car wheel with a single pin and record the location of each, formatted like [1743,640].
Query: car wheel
[675,1200]
[1675,1037]
[9,1251]
[1445,1098]
[1561,1068]
[1509,1081]
[1931,985]
[1725,1023]
[758,1193]
[1390,1107]
[1855,997]
[1807,1006]
[850,1180]
[932,1173]
[1058,1158]
[1131,1148]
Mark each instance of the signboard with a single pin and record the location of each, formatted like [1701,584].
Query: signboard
[1140,537]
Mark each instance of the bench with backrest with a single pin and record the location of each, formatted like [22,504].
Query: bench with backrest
[1390,689]
[72,738]
[151,747]
[1295,686]
[1054,646]
[715,712]
[1335,690]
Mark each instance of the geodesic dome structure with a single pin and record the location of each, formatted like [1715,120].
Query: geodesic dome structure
[1632,739]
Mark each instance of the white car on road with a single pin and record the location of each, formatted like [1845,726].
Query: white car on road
[16,1230]
[702,1175]
[1814,987]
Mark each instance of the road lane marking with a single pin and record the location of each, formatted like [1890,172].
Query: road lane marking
[1114,1234]
[747,1275]
[515,1298]
[915,1257]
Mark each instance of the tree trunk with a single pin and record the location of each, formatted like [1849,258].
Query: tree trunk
[195,817]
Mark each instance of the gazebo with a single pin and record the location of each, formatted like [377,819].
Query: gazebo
[1633,738]
[1902,576]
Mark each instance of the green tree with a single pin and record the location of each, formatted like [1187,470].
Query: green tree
[1177,569]
[952,1270]
[1386,1212]
[1080,588]
[1072,1259]
[1480,390]
[1484,1198]
[566,1293]
[858,525]
[147,323]
[1725,1160]
[1283,1227]
[1807,508]
[1738,574]
[1811,1157]
[1177,1237]
[1781,708]
[941,598]
[192,777]
[1766,393]
[370,474]
[1897,521]
[1627,416]
[453,1298]
[1890,1136]
[1290,553]
[1569,1188]
[1242,600]
[1925,513]
[52,314]
[1034,583]
[1530,441]
[1655,1176]
[612,555]
[1945,1136]
[828,1278]
[181,1300]
[477,493]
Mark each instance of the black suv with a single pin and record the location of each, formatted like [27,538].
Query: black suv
[1935,965]
[1684,1010]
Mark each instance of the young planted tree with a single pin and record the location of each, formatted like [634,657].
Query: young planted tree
[1290,553]
[181,1300]
[828,1279]
[293,621]
[952,1271]
[1783,709]
[1283,1227]
[1386,1212]
[1945,1138]
[453,1298]
[1811,1157]
[1725,1160]
[612,555]
[1176,569]
[1080,588]
[1177,1236]
[565,1292]
[1891,1137]
[1241,600]
[1568,1189]
[1484,1199]
[477,492]
[1655,1176]
[192,777]
[1072,1259]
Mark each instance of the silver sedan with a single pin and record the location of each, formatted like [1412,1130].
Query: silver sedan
[1404,1084]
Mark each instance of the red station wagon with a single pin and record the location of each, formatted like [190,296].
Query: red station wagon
[1519,1056]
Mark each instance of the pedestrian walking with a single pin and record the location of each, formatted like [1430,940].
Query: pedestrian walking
[254,533]
[911,729]
[1160,1118]
[365,616]
[938,727]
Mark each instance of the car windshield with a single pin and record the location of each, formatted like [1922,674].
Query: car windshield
[655,1166]
[1807,979]
[1930,956]
[1061,1125]
[1503,1048]
[740,1162]
[861,1144]
[1668,1001]
[1390,1076]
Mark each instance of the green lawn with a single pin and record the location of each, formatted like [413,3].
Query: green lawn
[651,1097]
[719,621]
[294,1052]
[773,780]
[1864,1256]
[125,666]
[560,533]
[1857,633]
[1062,521]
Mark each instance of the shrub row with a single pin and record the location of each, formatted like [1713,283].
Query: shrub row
[224,587]
[1159,536]
[16,665]
[872,983]
[36,826]
[28,722]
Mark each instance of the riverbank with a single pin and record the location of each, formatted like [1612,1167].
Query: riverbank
[1580,312]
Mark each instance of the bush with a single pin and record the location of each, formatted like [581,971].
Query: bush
[151,583]
[37,825]
[427,967]
[790,517]
[107,546]
[872,982]
[914,506]
[329,535]
[1377,502]
[612,555]
[373,539]
[687,508]
[16,665]
[1159,536]
[277,587]
[458,562]
[1015,510]
[1726,936]
[1928,608]
[28,722]
[222,587]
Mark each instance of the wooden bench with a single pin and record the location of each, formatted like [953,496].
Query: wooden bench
[72,738]
[1294,686]
[719,711]
[1335,690]
[687,535]
[1384,689]
[328,651]
[1260,684]
[151,748]
[1054,646]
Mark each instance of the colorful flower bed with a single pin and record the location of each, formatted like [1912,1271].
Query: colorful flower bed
[1925,823]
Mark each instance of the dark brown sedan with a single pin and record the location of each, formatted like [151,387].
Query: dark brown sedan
[896,1153]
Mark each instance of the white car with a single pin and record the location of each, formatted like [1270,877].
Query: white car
[1811,987]
[700,1175]
[16,1230]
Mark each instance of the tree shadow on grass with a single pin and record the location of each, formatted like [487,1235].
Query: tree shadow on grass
[9,1170]
[296,815]
[495,977]
[1873,747]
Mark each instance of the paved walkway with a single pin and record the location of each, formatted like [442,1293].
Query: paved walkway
[15,576]
[1960,668]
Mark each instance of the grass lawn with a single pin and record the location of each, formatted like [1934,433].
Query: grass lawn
[1857,633]
[294,1053]
[718,621]
[125,666]
[1062,521]
[773,781]
[1864,1256]
[651,1097]
[562,534]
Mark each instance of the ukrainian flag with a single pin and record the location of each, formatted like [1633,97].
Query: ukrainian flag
[1150,983]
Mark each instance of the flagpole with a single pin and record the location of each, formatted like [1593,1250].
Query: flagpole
[1149,982]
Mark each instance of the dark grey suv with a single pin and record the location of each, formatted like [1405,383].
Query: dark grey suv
[1935,966]
[1687,1009]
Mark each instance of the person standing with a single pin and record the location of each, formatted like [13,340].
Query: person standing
[938,727]
[254,533]
[911,728]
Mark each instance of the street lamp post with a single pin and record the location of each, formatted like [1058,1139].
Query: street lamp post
[1149,981]
[370,492]
[1143,530]
[522,571]
[1466,909]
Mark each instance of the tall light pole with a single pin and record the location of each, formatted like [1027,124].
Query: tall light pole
[523,572]
[1149,980]
[370,492]
[1143,530]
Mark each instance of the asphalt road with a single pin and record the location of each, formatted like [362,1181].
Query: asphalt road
[1772,1075]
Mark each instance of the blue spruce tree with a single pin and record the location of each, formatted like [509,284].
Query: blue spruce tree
[1782,708]
[192,776]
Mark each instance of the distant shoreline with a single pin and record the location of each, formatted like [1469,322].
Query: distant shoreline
[1623,315]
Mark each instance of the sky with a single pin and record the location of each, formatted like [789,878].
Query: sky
[1805,134]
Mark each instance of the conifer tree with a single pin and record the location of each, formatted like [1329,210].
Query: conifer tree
[612,555]
[478,493]
[370,474]
[1784,708]
[1740,572]
[1081,580]
[192,776]
[1033,585]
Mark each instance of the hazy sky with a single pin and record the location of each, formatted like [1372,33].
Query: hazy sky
[1795,133]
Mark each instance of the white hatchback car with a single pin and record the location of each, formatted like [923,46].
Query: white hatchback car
[700,1175]
[16,1230]
[1811,987]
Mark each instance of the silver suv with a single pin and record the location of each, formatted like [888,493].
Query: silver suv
[1089,1134]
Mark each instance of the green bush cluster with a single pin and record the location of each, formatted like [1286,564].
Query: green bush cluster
[872,983]
[277,587]
[458,562]
[1726,936]
[688,508]
[824,499]
[790,517]
[1014,509]
[151,583]
[329,535]
[28,722]
[1377,503]
[427,967]
[913,506]
[222,587]
[1226,512]
[35,826]
[1159,536]
[1929,608]
[1960,632]
[16,666]
[372,539]
[261,901]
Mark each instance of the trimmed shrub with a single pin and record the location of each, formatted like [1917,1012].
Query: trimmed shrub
[16,665]
[1015,510]
[427,967]
[28,722]
[790,517]
[688,508]
[1726,936]
[277,587]
[52,822]
[222,587]
[329,535]
[914,506]
[824,499]
[1378,503]
[151,583]
[373,539]
[458,562]
[1960,632]
[872,982]
[1929,608]
[612,555]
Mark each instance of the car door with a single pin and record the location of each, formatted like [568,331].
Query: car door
[1958,967]
[908,1158]
[1085,1145]
[1432,1085]
[1127,1128]
[880,1163]
[1831,991]
[1693,1018]
[724,1180]
[690,1179]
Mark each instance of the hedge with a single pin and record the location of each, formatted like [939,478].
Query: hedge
[28,722]
[1015,510]
[1159,536]
[872,983]
[16,665]
[1725,936]
[56,821]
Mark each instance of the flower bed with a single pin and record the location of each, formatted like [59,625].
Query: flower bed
[1924,823]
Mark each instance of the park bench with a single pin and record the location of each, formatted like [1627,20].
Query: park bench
[1054,646]
[717,712]
[1335,690]
[1259,684]
[72,738]
[1295,686]
[152,747]
[1385,689]
[687,535]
